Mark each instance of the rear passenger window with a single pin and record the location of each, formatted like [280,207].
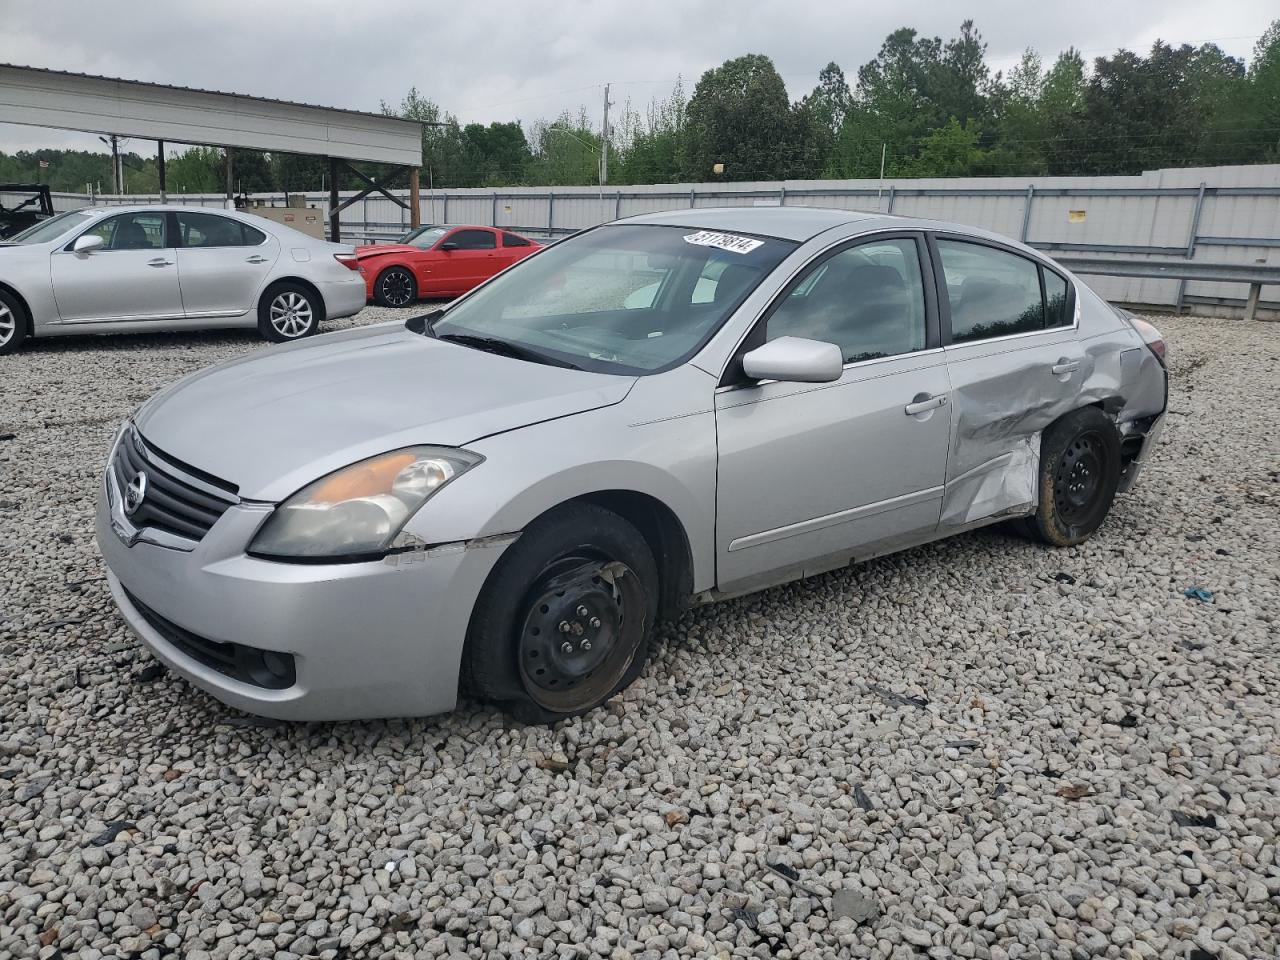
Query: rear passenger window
[210,230]
[1055,300]
[511,240]
[993,293]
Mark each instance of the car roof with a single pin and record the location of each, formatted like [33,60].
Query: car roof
[785,223]
[804,223]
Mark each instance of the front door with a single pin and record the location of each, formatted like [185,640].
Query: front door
[222,263]
[813,474]
[133,276]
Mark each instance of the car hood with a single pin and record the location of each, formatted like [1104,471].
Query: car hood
[279,419]
[385,249]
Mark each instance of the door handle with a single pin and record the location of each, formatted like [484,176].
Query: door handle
[923,403]
[1065,366]
[159,262]
[256,259]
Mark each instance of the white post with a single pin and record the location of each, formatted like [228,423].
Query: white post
[884,146]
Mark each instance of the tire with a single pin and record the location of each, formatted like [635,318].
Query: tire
[531,648]
[288,312]
[395,287]
[14,324]
[1079,474]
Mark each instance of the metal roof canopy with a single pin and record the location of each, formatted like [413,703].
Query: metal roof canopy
[130,108]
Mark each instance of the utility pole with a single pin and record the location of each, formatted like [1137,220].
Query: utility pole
[604,140]
[115,165]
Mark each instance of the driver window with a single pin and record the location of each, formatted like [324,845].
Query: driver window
[473,240]
[868,300]
[130,231]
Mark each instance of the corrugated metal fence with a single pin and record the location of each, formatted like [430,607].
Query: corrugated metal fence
[1218,214]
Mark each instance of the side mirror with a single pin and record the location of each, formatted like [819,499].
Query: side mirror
[448,245]
[795,359]
[87,244]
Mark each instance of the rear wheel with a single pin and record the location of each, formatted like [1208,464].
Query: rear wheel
[1079,474]
[13,323]
[395,287]
[566,618]
[289,311]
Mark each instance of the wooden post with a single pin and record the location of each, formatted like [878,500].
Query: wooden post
[335,218]
[164,197]
[415,200]
[1251,305]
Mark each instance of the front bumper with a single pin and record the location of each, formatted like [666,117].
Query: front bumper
[378,639]
[343,298]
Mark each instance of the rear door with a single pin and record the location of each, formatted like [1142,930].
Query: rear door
[811,474]
[1016,365]
[222,263]
[472,258]
[133,276]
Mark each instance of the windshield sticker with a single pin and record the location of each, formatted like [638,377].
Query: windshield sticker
[725,241]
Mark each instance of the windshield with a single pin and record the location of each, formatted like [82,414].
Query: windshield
[424,238]
[50,229]
[620,299]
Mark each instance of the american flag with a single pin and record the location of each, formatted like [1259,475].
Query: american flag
[44,164]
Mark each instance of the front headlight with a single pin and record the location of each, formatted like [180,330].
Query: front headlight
[359,510]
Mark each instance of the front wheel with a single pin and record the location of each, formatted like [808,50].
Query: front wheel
[289,311]
[13,324]
[566,618]
[1079,474]
[395,287]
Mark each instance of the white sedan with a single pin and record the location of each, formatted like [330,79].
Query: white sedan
[134,269]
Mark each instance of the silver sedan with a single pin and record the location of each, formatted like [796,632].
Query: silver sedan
[657,412]
[134,269]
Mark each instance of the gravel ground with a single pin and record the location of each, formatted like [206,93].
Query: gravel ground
[980,748]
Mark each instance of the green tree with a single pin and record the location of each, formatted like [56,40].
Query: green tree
[950,151]
[740,116]
[1061,113]
[566,151]
[650,148]
[1260,100]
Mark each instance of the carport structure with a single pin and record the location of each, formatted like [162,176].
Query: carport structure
[130,108]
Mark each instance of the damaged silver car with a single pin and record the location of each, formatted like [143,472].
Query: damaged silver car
[501,498]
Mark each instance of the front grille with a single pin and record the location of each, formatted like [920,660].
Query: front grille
[173,502]
[262,668]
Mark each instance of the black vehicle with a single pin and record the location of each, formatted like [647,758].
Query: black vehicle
[22,205]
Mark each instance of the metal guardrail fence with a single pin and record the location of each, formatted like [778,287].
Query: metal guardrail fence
[1227,215]
[1252,274]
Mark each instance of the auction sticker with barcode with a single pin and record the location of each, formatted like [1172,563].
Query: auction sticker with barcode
[725,241]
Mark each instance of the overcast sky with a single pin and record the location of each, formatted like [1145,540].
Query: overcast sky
[500,60]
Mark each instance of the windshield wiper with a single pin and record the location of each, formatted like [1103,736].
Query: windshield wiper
[504,348]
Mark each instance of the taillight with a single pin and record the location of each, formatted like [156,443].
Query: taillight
[1151,336]
[348,260]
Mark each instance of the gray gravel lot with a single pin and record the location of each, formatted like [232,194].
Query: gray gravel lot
[979,748]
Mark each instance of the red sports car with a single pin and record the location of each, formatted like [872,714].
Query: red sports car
[438,261]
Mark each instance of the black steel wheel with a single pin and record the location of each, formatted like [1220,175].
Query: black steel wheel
[565,620]
[1077,479]
[584,622]
[1079,474]
[396,288]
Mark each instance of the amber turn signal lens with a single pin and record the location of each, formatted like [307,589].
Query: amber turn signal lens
[368,479]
